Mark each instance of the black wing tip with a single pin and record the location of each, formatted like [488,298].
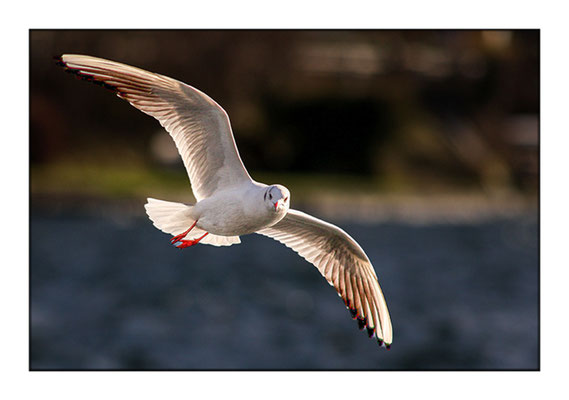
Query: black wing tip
[362,323]
[82,75]
[354,313]
[59,61]
[381,343]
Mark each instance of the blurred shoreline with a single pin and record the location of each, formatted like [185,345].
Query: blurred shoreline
[121,189]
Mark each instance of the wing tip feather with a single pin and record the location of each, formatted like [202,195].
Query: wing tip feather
[60,61]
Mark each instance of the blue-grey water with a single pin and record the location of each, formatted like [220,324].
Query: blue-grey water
[112,293]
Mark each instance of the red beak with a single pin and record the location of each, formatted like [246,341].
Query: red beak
[276,205]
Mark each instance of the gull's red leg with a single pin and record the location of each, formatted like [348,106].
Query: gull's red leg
[182,235]
[188,243]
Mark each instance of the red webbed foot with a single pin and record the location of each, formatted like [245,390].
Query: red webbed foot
[187,243]
[182,235]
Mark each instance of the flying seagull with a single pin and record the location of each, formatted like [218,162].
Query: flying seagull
[229,202]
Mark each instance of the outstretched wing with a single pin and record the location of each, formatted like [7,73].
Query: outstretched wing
[199,126]
[342,262]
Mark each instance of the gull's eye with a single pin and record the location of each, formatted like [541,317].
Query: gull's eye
[285,199]
[270,196]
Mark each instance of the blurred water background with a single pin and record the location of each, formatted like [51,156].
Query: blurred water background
[423,145]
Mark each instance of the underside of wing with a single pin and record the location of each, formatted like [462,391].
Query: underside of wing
[199,126]
[344,265]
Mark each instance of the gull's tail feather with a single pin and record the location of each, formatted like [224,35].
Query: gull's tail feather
[175,218]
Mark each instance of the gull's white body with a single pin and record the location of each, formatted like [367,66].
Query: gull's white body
[236,211]
[229,202]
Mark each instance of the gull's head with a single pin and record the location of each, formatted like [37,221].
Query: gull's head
[277,198]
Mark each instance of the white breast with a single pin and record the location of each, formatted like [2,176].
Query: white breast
[235,212]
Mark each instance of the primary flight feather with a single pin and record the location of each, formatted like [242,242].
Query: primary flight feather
[230,203]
